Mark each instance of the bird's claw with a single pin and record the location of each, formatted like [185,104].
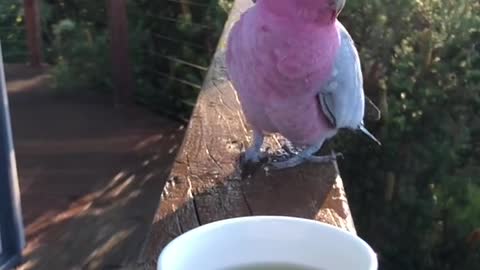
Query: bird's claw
[299,159]
[285,152]
[250,163]
[327,158]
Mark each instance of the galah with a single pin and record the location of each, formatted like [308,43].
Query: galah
[296,72]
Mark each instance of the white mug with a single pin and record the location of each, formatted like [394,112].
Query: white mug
[235,242]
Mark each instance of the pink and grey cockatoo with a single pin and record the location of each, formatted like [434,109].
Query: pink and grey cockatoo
[297,73]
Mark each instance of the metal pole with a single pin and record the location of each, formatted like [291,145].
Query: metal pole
[11,225]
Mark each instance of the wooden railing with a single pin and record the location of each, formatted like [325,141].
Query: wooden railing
[205,185]
[32,25]
[121,67]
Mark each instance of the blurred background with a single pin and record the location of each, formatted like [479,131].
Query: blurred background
[416,199]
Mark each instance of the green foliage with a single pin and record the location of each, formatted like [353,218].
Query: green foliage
[76,40]
[172,45]
[82,58]
[417,198]
[12,31]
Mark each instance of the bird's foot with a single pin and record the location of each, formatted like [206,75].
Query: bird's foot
[285,152]
[299,159]
[251,155]
[251,160]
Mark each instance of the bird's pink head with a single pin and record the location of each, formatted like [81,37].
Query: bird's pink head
[322,12]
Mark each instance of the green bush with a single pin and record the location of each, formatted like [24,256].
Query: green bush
[12,31]
[75,35]
[172,45]
[416,199]
[82,57]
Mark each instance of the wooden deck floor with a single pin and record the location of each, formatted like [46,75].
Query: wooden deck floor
[90,174]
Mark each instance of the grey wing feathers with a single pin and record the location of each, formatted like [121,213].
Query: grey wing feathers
[342,98]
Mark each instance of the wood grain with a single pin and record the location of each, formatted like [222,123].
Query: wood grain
[205,183]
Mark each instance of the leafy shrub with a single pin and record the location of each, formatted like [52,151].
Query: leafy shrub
[82,57]
[172,45]
[12,31]
[417,197]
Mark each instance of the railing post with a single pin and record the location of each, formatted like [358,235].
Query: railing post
[120,60]
[34,31]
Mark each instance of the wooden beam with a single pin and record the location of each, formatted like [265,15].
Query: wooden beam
[205,185]
[120,59]
[34,31]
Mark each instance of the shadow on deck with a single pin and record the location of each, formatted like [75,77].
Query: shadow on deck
[90,174]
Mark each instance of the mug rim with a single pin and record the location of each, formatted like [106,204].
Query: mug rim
[373,260]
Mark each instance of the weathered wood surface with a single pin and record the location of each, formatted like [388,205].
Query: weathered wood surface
[205,185]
